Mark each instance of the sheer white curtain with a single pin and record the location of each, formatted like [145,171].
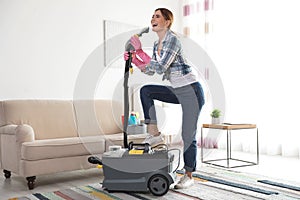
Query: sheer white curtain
[255,46]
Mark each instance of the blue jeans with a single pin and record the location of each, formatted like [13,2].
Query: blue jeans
[191,98]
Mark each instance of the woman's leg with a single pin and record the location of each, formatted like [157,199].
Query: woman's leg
[149,93]
[191,99]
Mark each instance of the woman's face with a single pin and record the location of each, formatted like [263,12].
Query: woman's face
[158,22]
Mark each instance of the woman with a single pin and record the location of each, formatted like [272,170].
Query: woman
[168,60]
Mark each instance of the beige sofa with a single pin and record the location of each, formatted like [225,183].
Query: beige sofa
[39,137]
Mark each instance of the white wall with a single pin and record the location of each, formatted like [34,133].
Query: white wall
[256,49]
[44,43]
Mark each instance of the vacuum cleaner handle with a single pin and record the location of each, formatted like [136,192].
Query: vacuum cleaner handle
[145,146]
[128,45]
[144,30]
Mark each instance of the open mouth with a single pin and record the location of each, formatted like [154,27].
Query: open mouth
[154,25]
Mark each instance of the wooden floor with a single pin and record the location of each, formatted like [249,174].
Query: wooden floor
[282,168]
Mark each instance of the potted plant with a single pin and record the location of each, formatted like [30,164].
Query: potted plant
[215,114]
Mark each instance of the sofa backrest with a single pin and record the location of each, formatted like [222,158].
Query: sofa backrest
[98,117]
[49,118]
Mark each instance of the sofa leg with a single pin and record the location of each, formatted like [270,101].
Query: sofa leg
[30,182]
[7,173]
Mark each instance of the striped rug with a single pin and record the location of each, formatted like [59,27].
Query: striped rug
[210,184]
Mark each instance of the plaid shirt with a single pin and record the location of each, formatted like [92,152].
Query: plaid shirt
[170,62]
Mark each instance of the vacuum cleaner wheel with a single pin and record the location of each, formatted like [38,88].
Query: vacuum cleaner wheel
[158,185]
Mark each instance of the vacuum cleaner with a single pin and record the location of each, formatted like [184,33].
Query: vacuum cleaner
[137,167]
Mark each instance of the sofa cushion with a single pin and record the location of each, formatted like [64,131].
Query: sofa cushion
[62,147]
[98,117]
[48,118]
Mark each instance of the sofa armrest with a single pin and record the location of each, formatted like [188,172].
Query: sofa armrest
[11,139]
[8,129]
[23,133]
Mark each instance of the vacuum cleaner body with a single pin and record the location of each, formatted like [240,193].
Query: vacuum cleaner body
[138,170]
[136,167]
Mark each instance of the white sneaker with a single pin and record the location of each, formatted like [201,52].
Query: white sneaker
[184,182]
[152,140]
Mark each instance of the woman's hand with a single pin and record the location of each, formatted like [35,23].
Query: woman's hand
[136,61]
[126,55]
[135,42]
[139,58]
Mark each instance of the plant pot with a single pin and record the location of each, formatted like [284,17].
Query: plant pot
[215,120]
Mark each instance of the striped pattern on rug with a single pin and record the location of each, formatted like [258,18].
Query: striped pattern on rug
[95,192]
[210,184]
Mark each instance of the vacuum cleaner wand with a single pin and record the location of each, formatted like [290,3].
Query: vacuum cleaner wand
[144,30]
[128,48]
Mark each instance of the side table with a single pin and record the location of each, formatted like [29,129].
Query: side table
[168,137]
[228,128]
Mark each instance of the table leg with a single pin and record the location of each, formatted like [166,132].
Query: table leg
[228,148]
[257,150]
[201,142]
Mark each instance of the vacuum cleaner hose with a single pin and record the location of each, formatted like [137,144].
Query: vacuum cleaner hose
[95,160]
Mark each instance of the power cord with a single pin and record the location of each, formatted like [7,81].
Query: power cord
[179,153]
